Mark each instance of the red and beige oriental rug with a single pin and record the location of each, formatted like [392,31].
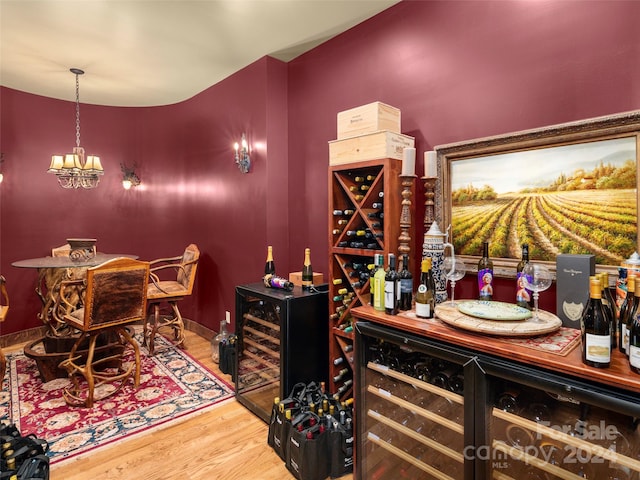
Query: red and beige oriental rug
[173,386]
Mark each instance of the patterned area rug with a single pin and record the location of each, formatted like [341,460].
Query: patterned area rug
[173,385]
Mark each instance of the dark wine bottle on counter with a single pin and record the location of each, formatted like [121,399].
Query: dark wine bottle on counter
[596,329]
[269,266]
[406,285]
[610,307]
[485,274]
[523,295]
[391,288]
[634,344]
[307,271]
[625,310]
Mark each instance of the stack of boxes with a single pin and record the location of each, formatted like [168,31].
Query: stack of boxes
[368,132]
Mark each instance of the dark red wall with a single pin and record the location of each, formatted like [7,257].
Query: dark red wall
[457,70]
[463,70]
[192,191]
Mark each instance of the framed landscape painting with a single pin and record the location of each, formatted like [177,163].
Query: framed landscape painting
[569,188]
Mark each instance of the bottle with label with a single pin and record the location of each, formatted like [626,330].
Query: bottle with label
[273,281]
[307,271]
[485,274]
[610,307]
[391,288]
[633,348]
[406,285]
[378,284]
[269,266]
[523,295]
[426,295]
[625,313]
[633,312]
[596,329]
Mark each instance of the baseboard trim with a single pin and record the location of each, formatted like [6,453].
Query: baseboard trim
[35,333]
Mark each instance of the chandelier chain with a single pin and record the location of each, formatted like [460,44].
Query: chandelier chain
[77,111]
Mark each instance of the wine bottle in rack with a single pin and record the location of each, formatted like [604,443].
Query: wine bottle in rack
[391,288]
[425,295]
[406,285]
[485,274]
[596,329]
[307,271]
[269,266]
[625,310]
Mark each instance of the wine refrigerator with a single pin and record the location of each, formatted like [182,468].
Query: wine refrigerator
[426,409]
[282,338]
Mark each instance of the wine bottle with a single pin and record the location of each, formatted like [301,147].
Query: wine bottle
[634,345]
[378,284]
[406,285]
[269,266]
[610,307]
[485,274]
[307,271]
[425,295]
[523,295]
[272,281]
[625,310]
[635,309]
[391,288]
[596,329]
[340,375]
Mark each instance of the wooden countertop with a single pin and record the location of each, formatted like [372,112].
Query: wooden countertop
[617,375]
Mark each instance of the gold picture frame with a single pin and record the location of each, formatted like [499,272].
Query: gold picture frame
[530,154]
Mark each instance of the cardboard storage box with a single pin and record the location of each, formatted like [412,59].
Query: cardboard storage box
[368,119]
[371,146]
[296,278]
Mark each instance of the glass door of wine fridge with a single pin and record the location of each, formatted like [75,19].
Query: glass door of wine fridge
[281,341]
[538,425]
[415,407]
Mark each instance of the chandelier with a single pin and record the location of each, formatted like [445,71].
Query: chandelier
[76,170]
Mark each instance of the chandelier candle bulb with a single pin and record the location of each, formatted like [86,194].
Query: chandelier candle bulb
[430,164]
[408,162]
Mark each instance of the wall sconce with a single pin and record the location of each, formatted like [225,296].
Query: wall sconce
[242,155]
[1,160]
[129,177]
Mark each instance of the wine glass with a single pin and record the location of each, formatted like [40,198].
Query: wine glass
[454,270]
[537,278]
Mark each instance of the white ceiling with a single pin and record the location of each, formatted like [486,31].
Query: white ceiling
[157,52]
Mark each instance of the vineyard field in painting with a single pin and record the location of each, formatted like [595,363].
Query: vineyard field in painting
[599,222]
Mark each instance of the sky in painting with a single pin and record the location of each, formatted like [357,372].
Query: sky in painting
[511,172]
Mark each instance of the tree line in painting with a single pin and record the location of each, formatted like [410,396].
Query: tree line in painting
[587,212]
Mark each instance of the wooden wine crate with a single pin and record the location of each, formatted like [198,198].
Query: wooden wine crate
[368,118]
[370,146]
[296,278]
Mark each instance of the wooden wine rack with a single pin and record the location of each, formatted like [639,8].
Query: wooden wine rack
[345,193]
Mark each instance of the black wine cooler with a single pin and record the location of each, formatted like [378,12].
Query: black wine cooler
[282,338]
[430,410]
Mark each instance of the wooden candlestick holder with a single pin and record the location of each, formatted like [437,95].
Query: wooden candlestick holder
[429,203]
[405,215]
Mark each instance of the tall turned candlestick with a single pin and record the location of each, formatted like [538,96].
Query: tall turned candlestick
[405,215]
[429,203]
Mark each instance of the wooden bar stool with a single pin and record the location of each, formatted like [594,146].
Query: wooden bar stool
[169,292]
[113,296]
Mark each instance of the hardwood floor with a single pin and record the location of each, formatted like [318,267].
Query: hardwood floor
[228,442]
